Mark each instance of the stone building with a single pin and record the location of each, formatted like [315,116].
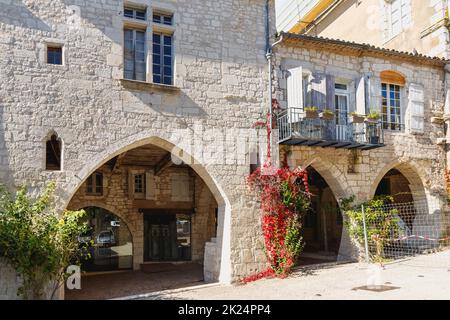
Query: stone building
[402,153]
[405,25]
[143,113]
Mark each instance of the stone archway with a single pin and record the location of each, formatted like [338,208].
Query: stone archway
[410,171]
[323,224]
[218,264]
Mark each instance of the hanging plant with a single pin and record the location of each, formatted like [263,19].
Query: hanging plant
[285,198]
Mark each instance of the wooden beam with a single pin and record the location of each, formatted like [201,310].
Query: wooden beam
[152,204]
[163,164]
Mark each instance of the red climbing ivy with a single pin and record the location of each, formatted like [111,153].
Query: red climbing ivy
[284,197]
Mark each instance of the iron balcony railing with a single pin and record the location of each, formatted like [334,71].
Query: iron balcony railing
[295,124]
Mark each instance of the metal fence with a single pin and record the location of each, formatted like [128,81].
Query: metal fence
[392,232]
[293,123]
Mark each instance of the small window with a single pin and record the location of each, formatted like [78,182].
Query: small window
[139,14]
[54,55]
[94,184]
[53,154]
[166,19]
[340,86]
[139,184]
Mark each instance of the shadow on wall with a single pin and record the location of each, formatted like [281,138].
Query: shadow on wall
[141,100]
[19,14]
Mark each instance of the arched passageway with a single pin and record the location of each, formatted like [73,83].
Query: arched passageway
[161,214]
[323,224]
[111,242]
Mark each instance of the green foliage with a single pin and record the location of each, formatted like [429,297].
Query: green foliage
[374,115]
[311,109]
[381,224]
[328,112]
[294,241]
[37,243]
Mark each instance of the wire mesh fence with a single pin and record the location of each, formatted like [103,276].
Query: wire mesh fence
[397,231]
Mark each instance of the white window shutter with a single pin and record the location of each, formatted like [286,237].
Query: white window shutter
[295,88]
[416,108]
[319,91]
[150,185]
[361,96]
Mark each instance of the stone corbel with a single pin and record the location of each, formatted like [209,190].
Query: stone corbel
[446,118]
[438,120]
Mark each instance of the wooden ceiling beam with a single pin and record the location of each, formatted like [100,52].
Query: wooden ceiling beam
[163,164]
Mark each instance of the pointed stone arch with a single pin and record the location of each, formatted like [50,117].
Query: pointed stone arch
[222,246]
[328,171]
[410,171]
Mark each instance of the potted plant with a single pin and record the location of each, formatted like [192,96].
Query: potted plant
[373,117]
[327,114]
[311,112]
[356,118]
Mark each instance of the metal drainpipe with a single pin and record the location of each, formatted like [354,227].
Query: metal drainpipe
[269,56]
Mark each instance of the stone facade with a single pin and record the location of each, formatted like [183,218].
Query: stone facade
[421,158]
[205,118]
[425,29]
[218,46]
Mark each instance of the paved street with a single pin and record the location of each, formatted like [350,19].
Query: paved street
[425,277]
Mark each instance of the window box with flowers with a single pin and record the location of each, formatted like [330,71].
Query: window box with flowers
[356,118]
[373,117]
[327,115]
[311,112]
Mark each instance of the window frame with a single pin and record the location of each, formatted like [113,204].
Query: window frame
[389,125]
[403,21]
[134,13]
[134,31]
[137,194]
[50,47]
[92,179]
[346,95]
[162,15]
[162,65]
[48,166]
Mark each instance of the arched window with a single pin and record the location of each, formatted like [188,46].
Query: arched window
[53,153]
[392,83]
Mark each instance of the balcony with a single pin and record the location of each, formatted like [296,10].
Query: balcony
[296,128]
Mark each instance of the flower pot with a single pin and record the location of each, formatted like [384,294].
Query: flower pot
[374,140]
[311,114]
[371,120]
[357,119]
[327,116]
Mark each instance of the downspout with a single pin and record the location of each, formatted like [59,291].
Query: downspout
[269,56]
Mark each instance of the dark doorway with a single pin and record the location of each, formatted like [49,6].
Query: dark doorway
[322,225]
[167,237]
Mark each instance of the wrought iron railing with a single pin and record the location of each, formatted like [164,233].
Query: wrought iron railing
[294,123]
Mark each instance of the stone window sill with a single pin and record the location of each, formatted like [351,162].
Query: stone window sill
[142,85]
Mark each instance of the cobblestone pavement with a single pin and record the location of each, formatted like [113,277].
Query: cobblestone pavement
[425,277]
[113,285]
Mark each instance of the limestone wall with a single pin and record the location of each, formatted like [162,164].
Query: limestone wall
[419,157]
[218,46]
